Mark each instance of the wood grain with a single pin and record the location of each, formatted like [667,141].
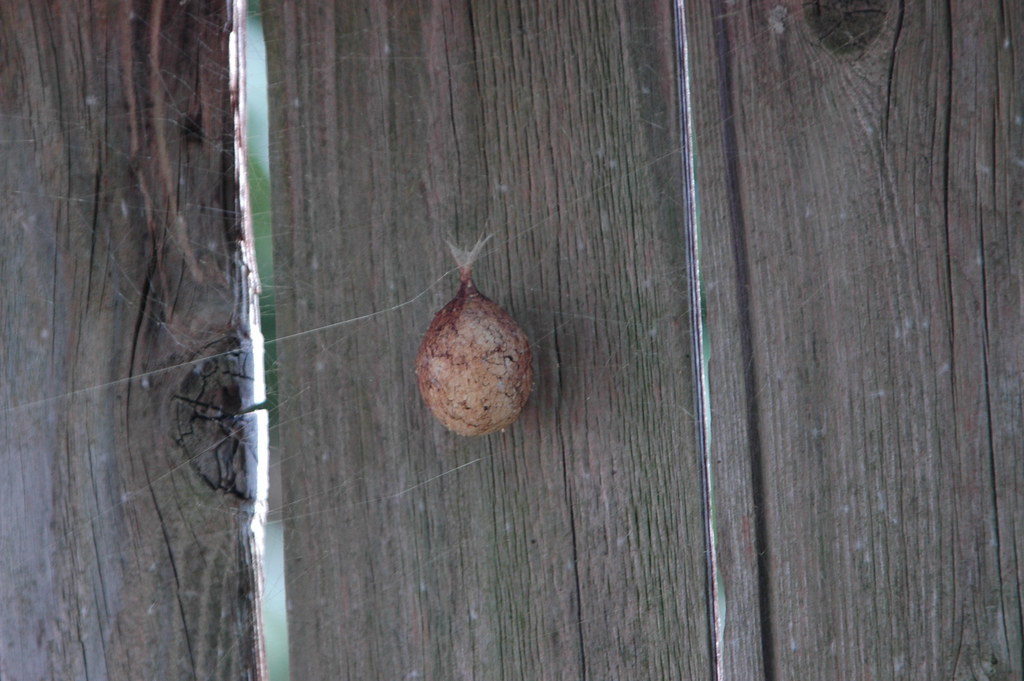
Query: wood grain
[572,545]
[123,262]
[862,246]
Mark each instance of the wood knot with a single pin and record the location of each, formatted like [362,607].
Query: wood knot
[208,424]
[846,27]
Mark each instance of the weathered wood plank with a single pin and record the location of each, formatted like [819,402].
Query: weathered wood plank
[570,546]
[122,259]
[860,179]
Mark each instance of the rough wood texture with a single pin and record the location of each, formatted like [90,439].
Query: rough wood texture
[860,179]
[122,260]
[572,545]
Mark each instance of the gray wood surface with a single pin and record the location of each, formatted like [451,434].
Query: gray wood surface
[122,264]
[571,546]
[860,181]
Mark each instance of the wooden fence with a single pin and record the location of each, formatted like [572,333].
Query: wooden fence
[805,462]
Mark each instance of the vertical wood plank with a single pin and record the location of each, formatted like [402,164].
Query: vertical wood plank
[571,545]
[860,180]
[124,264]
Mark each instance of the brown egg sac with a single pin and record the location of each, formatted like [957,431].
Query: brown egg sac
[475,367]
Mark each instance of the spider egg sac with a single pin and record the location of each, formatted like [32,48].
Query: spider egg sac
[474,366]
